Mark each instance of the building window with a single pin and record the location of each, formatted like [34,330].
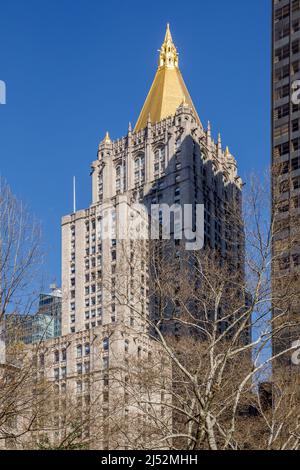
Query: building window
[79,350]
[295,163]
[120,179]
[282,149]
[296,259]
[106,344]
[284,168]
[296,183]
[139,170]
[177,195]
[159,162]
[100,186]
[64,355]
[63,372]
[87,349]
[284,186]
[282,111]
[56,356]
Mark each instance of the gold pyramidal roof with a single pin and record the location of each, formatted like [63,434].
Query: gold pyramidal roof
[168,90]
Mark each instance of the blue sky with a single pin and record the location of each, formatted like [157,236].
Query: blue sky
[74,69]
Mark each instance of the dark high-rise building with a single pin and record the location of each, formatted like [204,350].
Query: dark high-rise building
[34,328]
[50,306]
[286,167]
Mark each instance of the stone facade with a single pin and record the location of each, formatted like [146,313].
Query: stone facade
[95,375]
[172,162]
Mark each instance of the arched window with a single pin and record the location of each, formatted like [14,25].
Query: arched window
[120,179]
[159,162]
[139,170]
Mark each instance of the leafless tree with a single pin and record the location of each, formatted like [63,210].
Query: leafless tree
[211,318]
[20,260]
[20,253]
[216,326]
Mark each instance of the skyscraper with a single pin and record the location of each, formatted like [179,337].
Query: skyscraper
[34,328]
[50,305]
[169,158]
[286,163]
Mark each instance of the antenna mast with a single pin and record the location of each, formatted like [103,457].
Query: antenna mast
[74,194]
